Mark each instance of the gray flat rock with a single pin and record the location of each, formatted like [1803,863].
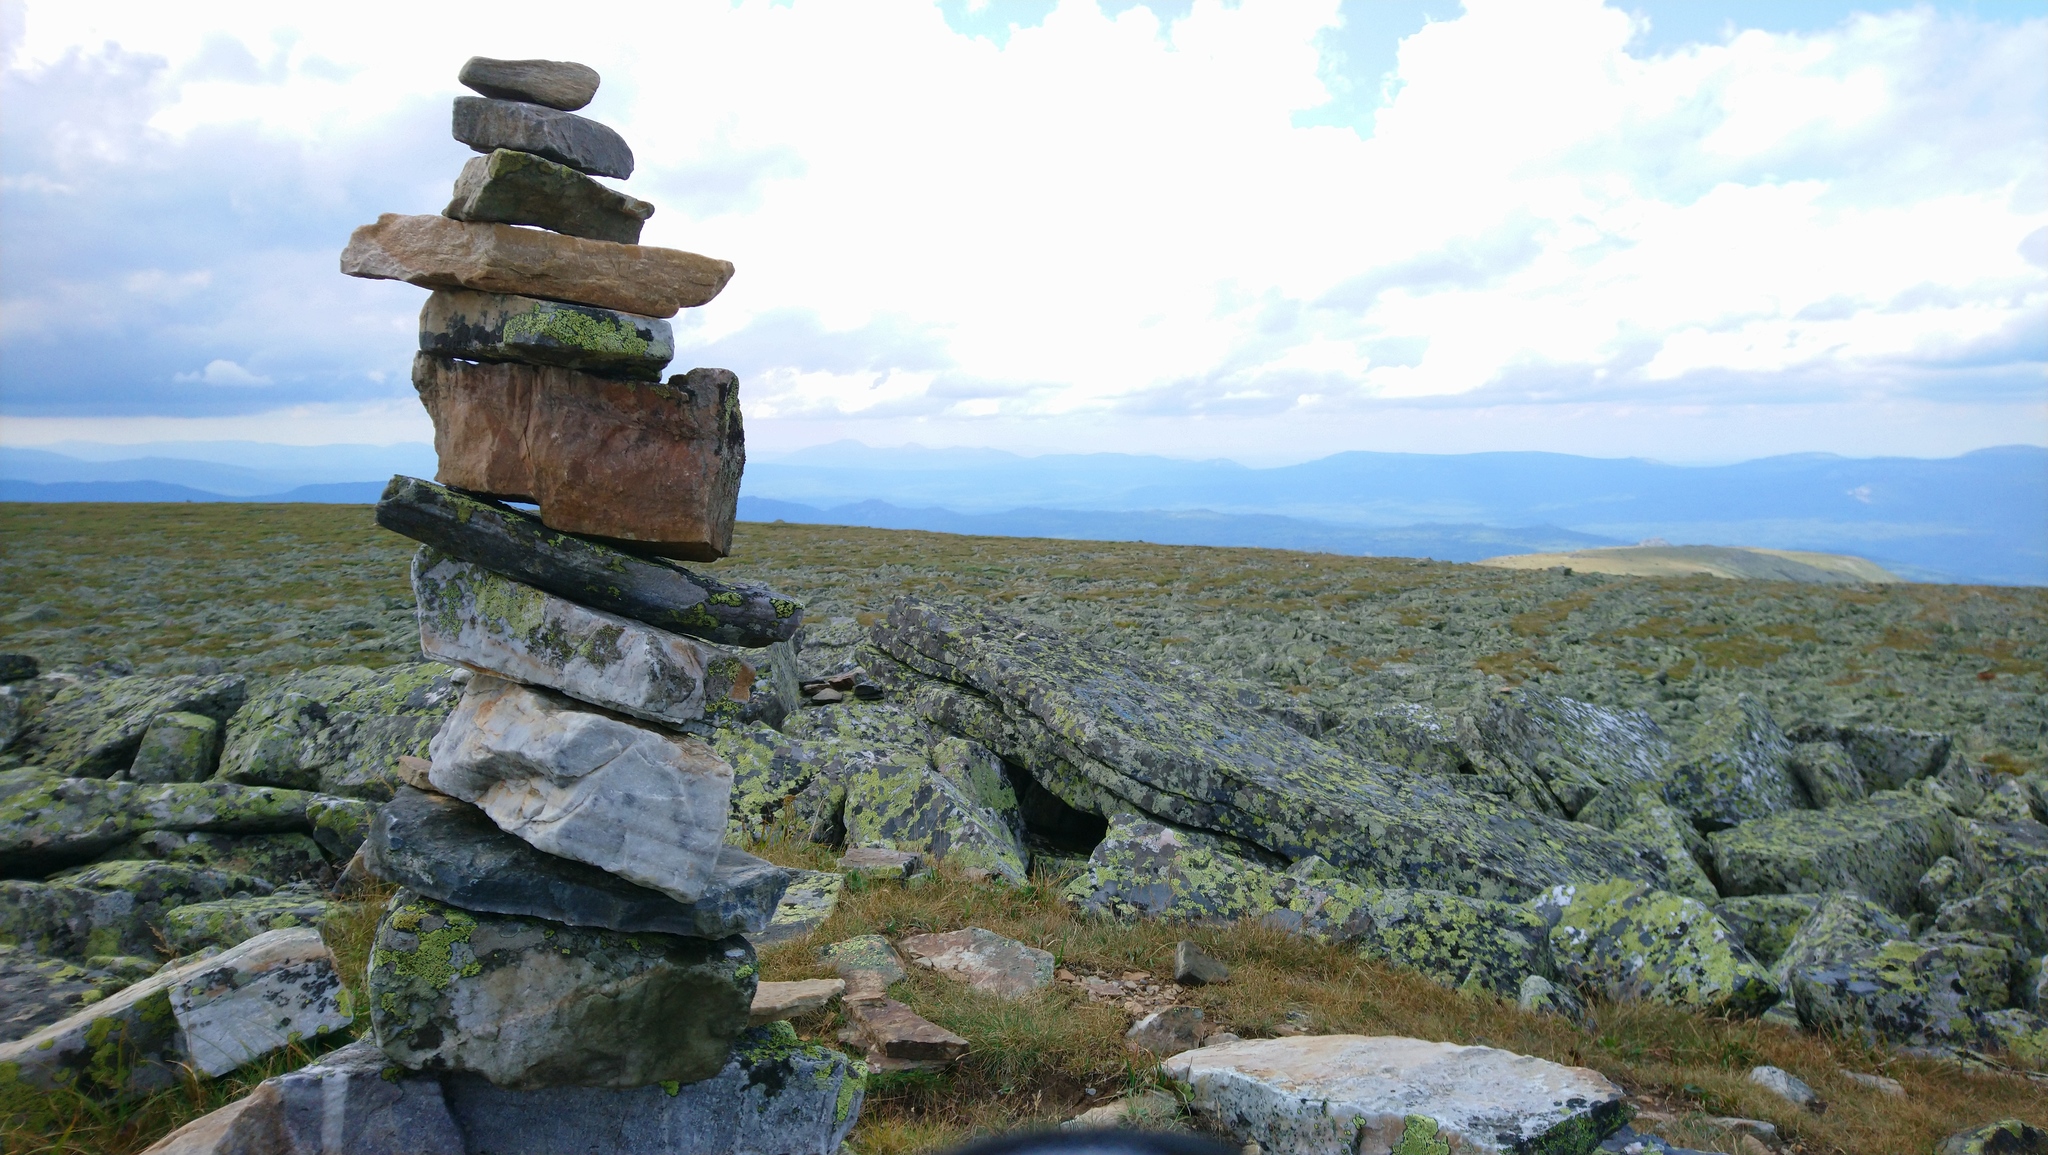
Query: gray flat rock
[561,84]
[503,327]
[584,145]
[519,188]
[449,850]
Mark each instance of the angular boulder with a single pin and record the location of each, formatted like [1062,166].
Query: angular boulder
[1933,991]
[93,728]
[560,84]
[112,908]
[1627,941]
[2001,849]
[1107,733]
[519,188]
[809,900]
[471,616]
[907,804]
[516,544]
[451,851]
[655,467]
[1345,1094]
[476,326]
[1842,927]
[1575,748]
[487,125]
[2005,1137]
[347,1102]
[1766,923]
[1879,847]
[178,747]
[2015,906]
[1638,815]
[1737,767]
[47,822]
[339,729]
[983,960]
[1827,773]
[529,1003]
[647,806]
[1455,941]
[435,252]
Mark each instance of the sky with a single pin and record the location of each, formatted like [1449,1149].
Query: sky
[1684,230]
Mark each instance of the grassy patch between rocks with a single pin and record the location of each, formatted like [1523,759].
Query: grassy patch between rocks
[1039,1060]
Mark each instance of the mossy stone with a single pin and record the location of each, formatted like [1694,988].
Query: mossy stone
[1629,941]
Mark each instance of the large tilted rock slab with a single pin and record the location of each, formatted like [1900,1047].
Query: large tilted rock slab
[529,1003]
[487,125]
[214,1014]
[449,850]
[775,1096]
[1576,749]
[647,806]
[1107,733]
[473,617]
[48,822]
[1736,768]
[436,252]
[1878,847]
[561,84]
[514,543]
[655,467]
[1360,1095]
[908,804]
[1627,941]
[519,188]
[504,327]
[94,728]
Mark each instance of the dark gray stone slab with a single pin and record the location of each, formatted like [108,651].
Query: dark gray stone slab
[649,590]
[503,327]
[584,145]
[519,188]
[559,84]
[447,849]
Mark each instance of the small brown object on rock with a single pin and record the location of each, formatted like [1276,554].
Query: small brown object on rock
[898,1040]
[648,467]
[413,772]
[435,252]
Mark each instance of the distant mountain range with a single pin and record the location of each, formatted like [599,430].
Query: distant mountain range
[1980,517]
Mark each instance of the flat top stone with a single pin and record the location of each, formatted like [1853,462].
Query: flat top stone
[775,1001]
[1333,1094]
[559,84]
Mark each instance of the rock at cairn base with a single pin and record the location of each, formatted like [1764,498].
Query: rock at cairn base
[1338,1094]
[471,617]
[519,188]
[435,252]
[563,137]
[558,84]
[650,590]
[655,468]
[529,1003]
[501,327]
[647,806]
[449,850]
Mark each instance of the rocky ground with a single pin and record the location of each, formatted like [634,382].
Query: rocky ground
[1822,805]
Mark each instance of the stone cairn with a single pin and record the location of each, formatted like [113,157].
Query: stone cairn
[565,957]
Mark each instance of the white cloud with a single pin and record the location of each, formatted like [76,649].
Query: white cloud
[220,372]
[1103,216]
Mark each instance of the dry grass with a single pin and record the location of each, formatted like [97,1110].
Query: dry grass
[1040,1060]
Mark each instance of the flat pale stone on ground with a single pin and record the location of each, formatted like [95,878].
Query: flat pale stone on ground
[1149,1111]
[435,252]
[898,1039]
[529,1003]
[777,1001]
[503,327]
[1195,967]
[881,862]
[1784,1084]
[472,617]
[519,188]
[983,960]
[1358,1095]
[561,84]
[647,806]
[450,850]
[583,144]
[1878,1083]
[653,467]
[516,544]
[1166,1032]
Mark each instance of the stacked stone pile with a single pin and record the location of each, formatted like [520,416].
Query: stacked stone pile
[566,948]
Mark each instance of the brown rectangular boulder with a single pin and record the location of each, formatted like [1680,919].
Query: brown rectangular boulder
[652,467]
[436,252]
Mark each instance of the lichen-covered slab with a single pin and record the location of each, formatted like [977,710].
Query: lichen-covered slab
[2016,906]
[2005,1137]
[1827,773]
[643,804]
[274,990]
[1735,768]
[473,617]
[907,804]
[227,921]
[47,822]
[1575,748]
[809,900]
[776,1095]
[647,589]
[1766,923]
[1636,813]
[1353,1094]
[1878,847]
[93,728]
[112,908]
[2002,849]
[519,188]
[1928,992]
[1628,941]
[1108,732]
[449,850]
[507,327]
[529,1003]
[177,747]
[339,729]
